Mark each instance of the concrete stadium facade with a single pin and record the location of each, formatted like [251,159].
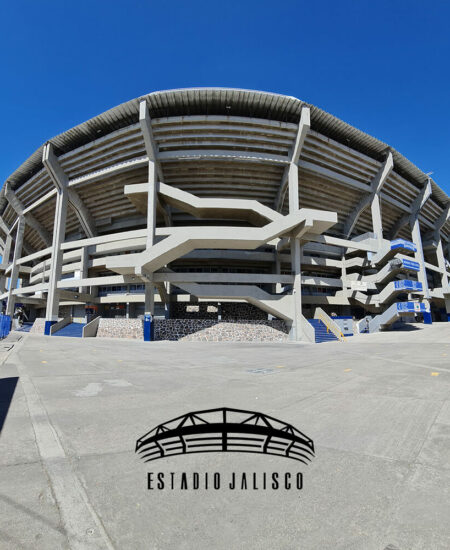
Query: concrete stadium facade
[223,196]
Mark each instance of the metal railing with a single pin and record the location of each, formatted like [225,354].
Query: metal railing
[331,325]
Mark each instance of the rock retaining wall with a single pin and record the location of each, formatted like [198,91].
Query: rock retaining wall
[207,330]
[120,328]
[220,331]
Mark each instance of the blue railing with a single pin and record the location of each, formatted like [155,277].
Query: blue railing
[401,243]
[408,285]
[5,325]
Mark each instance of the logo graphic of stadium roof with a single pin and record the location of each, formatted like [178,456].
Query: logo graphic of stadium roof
[224,430]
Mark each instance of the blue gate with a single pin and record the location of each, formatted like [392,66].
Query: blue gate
[5,325]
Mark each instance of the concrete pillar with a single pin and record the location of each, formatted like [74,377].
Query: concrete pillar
[276,270]
[5,261]
[377,224]
[296,328]
[59,232]
[444,277]
[7,250]
[447,308]
[151,225]
[441,264]
[84,268]
[344,278]
[422,274]
[168,302]
[11,300]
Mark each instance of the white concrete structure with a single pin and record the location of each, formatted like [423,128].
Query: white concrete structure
[221,195]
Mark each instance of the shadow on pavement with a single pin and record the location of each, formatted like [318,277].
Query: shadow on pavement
[7,389]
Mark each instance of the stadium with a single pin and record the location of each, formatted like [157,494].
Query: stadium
[222,214]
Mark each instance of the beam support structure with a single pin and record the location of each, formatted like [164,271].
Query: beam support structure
[11,300]
[60,180]
[442,220]
[59,231]
[303,127]
[154,171]
[372,200]
[18,206]
[296,253]
[414,223]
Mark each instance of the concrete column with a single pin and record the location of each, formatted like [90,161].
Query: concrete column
[296,328]
[444,276]
[11,300]
[277,271]
[344,278]
[419,257]
[377,224]
[59,232]
[151,225]
[441,264]
[84,268]
[168,302]
[7,251]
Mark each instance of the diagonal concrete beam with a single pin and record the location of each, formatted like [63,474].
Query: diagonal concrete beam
[18,206]
[441,221]
[60,180]
[303,126]
[375,187]
[151,149]
[416,207]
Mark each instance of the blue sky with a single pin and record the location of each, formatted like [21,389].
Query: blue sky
[382,66]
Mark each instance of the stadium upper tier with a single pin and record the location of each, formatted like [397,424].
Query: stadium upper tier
[217,143]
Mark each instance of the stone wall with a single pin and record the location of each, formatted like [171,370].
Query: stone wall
[210,310]
[216,331]
[207,330]
[120,328]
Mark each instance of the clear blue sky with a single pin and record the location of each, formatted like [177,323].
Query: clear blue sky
[382,66]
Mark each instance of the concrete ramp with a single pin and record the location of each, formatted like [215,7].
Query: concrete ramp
[182,240]
[396,310]
[204,207]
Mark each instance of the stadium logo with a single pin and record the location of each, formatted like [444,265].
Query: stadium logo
[225,430]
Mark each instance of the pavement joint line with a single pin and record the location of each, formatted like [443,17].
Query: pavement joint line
[77,514]
[408,363]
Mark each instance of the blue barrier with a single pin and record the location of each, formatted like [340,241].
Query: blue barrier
[401,243]
[149,328]
[408,285]
[48,326]
[5,325]
[411,307]
[410,264]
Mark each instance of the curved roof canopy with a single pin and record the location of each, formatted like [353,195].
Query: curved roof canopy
[222,101]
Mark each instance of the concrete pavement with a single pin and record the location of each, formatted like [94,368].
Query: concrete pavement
[377,408]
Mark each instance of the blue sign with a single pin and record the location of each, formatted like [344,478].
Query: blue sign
[401,243]
[411,307]
[409,264]
[408,285]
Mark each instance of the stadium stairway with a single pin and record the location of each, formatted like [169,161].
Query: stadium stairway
[74,330]
[321,332]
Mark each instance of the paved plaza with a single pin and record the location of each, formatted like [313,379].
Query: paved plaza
[377,408]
